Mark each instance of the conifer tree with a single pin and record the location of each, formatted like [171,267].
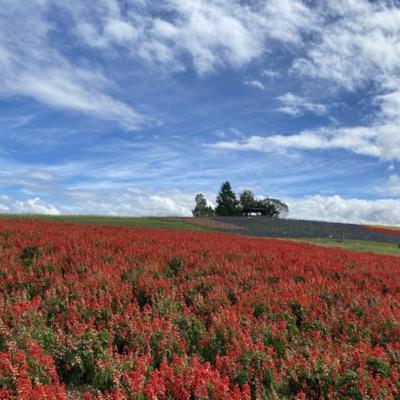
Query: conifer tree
[227,204]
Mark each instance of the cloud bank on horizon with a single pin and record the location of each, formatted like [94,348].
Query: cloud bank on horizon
[131,107]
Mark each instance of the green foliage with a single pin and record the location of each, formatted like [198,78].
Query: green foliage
[346,385]
[268,380]
[192,330]
[379,366]
[55,306]
[247,199]
[298,312]
[276,342]
[77,364]
[268,207]
[174,266]
[202,209]
[274,207]
[356,245]
[316,382]
[161,350]
[143,298]
[232,297]
[241,377]
[259,309]
[217,345]
[227,204]
[29,255]
[46,338]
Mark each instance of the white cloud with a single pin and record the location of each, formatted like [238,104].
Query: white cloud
[287,20]
[41,175]
[120,31]
[296,105]
[338,209]
[351,44]
[31,66]
[305,140]
[130,201]
[30,206]
[393,185]
[172,34]
[208,33]
[381,141]
[168,205]
[60,88]
[271,74]
[254,83]
[357,43]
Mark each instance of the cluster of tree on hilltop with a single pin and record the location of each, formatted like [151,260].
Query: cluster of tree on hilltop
[247,204]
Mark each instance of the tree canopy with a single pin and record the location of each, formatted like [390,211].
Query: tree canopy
[227,203]
[248,204]
[247,199]
[202,209]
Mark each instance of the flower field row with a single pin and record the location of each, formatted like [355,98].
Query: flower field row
[382,229]
[117,313]
[291,228]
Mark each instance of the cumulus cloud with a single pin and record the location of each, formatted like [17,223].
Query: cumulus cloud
[208,33]
[338,209]
[296,105]
[354,45]
[130,201]
[30,206]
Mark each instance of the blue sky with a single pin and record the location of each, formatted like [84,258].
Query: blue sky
[131,107]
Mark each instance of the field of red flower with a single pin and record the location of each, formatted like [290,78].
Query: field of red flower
[122,313]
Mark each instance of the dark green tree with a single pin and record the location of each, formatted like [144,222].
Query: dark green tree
[227,203]
[247,200]
[201,208]
[274,208]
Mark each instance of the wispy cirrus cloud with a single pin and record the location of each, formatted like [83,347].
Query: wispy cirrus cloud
[270,74]
[255,84]
[296,105]
[392,188]
[30,66]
